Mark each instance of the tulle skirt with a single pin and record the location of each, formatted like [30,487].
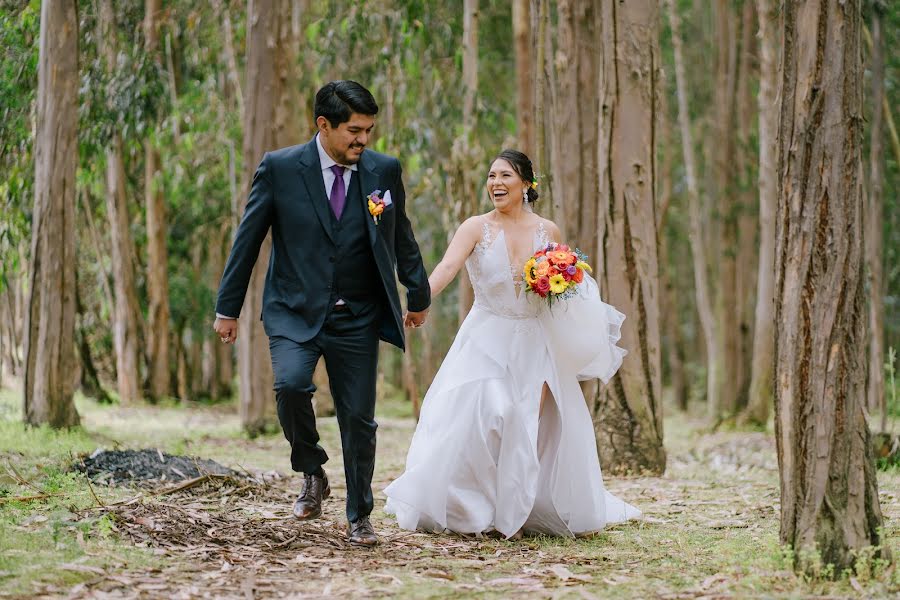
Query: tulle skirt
[484,457]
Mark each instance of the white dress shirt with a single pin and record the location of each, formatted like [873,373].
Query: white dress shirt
[328,179]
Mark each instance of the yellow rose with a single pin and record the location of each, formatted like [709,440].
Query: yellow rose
[584,266]
[529,276]
[558,284]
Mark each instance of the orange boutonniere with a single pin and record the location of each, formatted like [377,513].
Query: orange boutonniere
[376,205]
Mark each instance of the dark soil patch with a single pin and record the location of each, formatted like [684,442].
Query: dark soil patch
[145,466]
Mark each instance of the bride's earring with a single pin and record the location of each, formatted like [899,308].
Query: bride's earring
[525,195]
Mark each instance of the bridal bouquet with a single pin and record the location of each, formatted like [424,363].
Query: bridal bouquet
[555,271]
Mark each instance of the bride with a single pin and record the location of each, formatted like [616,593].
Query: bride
[505,441]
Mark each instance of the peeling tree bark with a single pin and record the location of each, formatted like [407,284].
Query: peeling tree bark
[829,493]
[628,412]
[50,326]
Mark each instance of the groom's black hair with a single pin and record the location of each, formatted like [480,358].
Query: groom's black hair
[337,100]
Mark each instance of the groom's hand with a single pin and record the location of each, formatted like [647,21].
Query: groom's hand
[415,319]
[227,329]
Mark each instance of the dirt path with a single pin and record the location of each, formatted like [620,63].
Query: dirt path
[710,531]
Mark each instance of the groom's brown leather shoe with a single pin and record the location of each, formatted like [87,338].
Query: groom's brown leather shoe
[361,533]
[309,503]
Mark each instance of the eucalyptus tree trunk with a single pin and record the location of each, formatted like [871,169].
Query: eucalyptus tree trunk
[50,326]
[829,493]
[698,251]
[763,364]
[726,208]
[747,219]
[220,357]
[673,343]
[627,413]
[543,103]
[126,312]
[465,155]
[157,230]
[269,123]
[874,224]
[523,41]
[575,165]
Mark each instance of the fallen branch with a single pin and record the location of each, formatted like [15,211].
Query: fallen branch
[191,483]
[21,480]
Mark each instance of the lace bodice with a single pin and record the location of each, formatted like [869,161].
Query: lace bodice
[498,284]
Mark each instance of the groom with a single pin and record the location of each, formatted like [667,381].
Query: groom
[337,213]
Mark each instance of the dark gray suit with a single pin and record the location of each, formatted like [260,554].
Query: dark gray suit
[317,259]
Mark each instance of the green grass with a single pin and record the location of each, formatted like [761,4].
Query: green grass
[711,528]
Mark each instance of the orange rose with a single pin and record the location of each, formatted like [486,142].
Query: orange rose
[542,269]
[579,275]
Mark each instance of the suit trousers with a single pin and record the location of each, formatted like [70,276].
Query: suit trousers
[349,344]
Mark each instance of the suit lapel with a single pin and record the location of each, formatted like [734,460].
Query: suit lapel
[311,173]
[368,178]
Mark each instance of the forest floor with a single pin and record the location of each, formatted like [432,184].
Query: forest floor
[710,528]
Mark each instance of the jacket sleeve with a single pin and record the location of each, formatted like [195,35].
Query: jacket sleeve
[250,234]
[410,269]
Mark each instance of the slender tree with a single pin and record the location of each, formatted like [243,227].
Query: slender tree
[628,413]
[50,328]
[127,312]
[725,362]
[525,81]
[874,223]
[269,122]
[698,251]
[465,154]
[157,253]
[763,363]
[829,493]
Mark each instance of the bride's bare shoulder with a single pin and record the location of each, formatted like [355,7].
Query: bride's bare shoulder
[471,227]
[551,228]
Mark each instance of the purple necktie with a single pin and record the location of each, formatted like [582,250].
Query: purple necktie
[338,191]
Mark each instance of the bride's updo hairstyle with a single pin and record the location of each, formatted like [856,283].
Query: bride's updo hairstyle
[521,164]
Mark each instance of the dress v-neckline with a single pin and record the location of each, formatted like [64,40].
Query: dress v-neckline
[517,285]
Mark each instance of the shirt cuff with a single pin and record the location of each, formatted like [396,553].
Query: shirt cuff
[221,316]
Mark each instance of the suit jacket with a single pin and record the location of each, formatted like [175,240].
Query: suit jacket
[288,196]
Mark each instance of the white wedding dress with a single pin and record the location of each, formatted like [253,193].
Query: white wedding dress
[480,458]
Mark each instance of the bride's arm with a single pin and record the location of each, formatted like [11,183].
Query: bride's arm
[459,250]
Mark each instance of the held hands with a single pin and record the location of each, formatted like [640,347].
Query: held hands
[227,329]
[415,319]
